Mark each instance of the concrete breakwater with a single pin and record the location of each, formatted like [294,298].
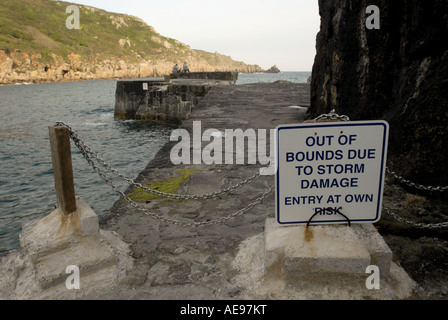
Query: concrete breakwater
[167,99]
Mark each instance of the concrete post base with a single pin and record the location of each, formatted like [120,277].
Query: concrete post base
[325,249]
[319,262]
[50,245]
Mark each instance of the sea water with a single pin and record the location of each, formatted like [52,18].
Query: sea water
[26,175]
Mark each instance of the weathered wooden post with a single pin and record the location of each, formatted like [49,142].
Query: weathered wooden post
[62,168]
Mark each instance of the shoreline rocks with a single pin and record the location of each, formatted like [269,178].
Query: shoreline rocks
[22,67]
[273,69]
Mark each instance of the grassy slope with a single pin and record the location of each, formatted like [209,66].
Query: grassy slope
[38,26]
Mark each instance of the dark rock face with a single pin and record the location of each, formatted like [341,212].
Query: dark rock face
[398,73]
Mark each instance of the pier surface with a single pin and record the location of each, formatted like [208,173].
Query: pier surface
[192,262]
[223,260]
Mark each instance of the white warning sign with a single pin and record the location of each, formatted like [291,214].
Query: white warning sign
[328,168]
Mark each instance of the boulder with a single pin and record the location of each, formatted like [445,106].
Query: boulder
[273,69]
[6,63]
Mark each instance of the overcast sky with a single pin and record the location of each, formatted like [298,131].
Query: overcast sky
[263,32]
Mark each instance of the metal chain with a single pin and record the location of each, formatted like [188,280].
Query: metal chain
[200,223]
[86,150]
[174,221]
[415,185]
[419,225]
[332,116]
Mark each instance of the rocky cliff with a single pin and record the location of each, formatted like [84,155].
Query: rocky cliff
[398,73]
[37,46]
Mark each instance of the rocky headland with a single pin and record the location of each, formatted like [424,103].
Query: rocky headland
[36,46]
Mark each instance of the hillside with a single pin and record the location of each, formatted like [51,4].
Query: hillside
[36,46]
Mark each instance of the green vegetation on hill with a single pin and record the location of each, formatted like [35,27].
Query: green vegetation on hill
[22,22]
[39,27]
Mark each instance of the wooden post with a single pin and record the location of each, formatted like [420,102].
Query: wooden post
[62,168]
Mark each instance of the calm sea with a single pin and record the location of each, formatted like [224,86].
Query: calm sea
[26,176]
[298,77]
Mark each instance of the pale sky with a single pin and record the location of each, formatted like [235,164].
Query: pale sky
[263,32]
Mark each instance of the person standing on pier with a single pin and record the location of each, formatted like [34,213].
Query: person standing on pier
[185,68]
[175,69]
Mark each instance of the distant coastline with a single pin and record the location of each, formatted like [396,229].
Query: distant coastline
[106,46]
[21,67]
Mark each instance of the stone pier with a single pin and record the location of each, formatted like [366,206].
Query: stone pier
[167,100]
[223,77]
